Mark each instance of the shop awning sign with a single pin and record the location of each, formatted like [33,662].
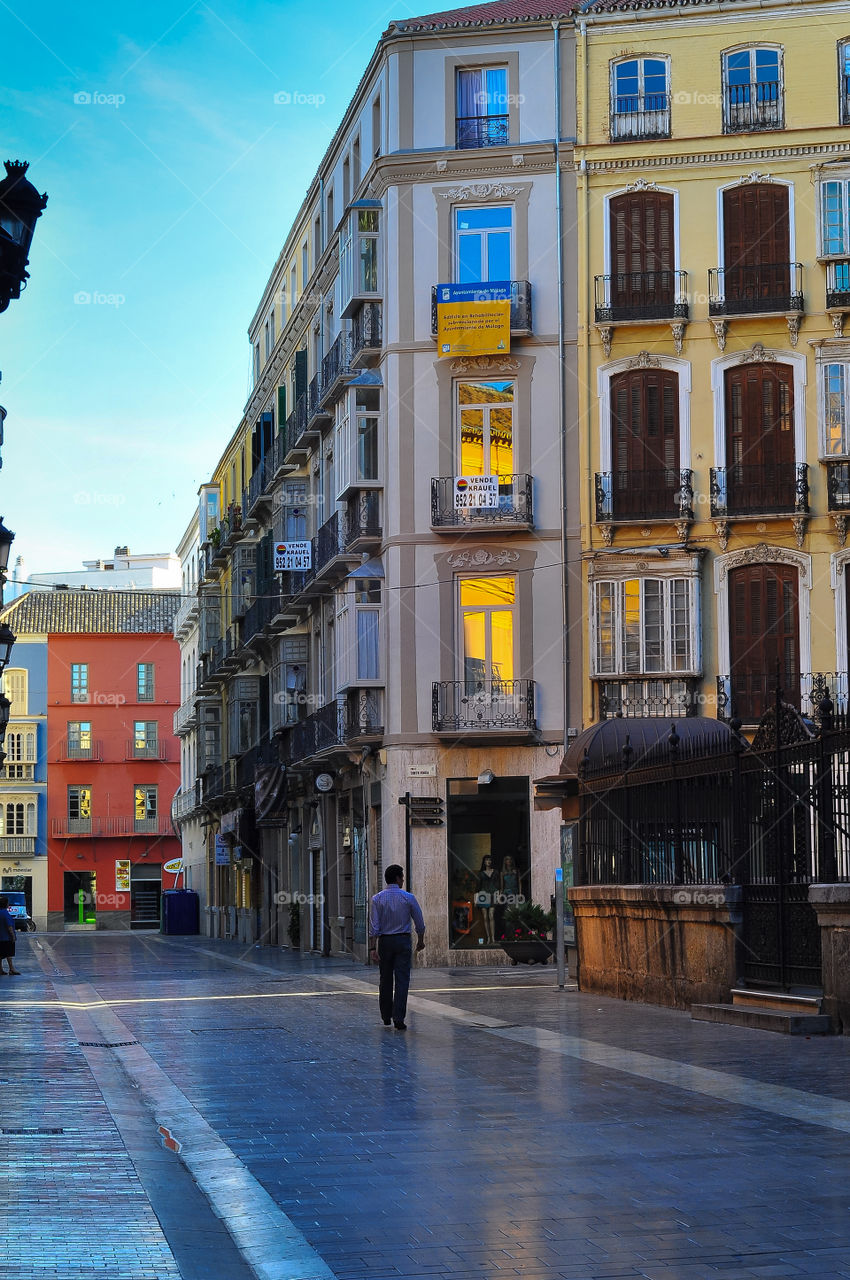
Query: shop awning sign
[293,556]
[474,319]
[174,867]
[472,492]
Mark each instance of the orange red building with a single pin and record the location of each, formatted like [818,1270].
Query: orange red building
[112,685]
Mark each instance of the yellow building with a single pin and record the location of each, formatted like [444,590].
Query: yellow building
[713,160]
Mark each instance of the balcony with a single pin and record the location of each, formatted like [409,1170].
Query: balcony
[838,486]
[366,335]
[185,717]
[748,108]
[296,433]
[329,550]
[767,289]
[220,783]
[186,614]
[747,696]
[660,494]
[70,750]
[760,489]
[514,509]
[256,495]
[838,286]
[642,297]
[520,308]
[354,718]
[186,803]
[317,414]
[640,116]
[134,750]
[482,706]
[481,131]
[108,828]
[336,371]
[362,521]
[17,845]
[656,698]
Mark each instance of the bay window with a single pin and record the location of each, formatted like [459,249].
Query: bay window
[645,626]
[358,255]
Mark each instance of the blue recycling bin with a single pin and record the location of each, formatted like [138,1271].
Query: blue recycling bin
[181,911]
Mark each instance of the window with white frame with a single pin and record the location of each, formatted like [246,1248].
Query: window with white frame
[357,438]
[483,114]
[844,82]
[645,626]
[243,714]
[835,441]
[834,207]
[358,256]
[752,89]
[483,243]
[487,622]
[20,753]
[640,98]
[290,697]
[358,631]
[18,816]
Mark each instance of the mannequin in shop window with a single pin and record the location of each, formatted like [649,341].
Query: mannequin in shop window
[489,886]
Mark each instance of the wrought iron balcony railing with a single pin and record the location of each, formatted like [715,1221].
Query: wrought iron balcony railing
[185,803]
[838,486]
[296,425]
[640,116]
[356,715]
[476,706]
[760,488]
[366,334]
[336,370]
[328,543]
[837,285]
[70,749]
[661,494]
[755,290]
[362,518]
[641,295]
[482,131]
[657,698]
[747,695]
[136,750]
[521,319]
[109,828]
[317,413]
[515,505]
[748,107]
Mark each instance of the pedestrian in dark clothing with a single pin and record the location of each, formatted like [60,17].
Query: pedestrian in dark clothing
[389,928]
[8,937]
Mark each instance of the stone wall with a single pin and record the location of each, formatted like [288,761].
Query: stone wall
[832,904]
[664,944]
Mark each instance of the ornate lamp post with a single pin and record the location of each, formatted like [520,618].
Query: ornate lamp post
[20,208]
[7,639]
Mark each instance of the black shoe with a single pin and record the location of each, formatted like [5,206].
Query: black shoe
[400,1026]
[387,1022]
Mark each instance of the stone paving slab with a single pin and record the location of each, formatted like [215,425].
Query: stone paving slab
[514,1131]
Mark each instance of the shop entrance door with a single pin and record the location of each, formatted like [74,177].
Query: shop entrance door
[145,894]
[80,899]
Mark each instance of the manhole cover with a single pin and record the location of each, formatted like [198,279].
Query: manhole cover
[106,1044]
[30,1133]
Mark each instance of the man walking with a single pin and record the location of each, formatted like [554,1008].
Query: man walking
[389,928]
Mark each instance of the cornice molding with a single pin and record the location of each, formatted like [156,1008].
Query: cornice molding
[704,159]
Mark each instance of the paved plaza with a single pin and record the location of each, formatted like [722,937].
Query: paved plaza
[179,1107]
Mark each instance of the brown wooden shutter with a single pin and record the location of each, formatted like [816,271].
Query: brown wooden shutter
[645,440]
[764,629]
[760,453]
[642,257]
[756,241]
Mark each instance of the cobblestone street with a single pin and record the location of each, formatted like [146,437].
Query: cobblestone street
[513,1131]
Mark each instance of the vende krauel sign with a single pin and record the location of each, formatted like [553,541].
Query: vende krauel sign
[292,555]
[474,319]
[476,491]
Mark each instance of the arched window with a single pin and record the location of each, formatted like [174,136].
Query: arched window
[753,96]
[640,98]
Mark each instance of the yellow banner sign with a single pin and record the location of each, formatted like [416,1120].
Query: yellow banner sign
[473,320]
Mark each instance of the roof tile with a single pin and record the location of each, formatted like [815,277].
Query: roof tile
[76,610]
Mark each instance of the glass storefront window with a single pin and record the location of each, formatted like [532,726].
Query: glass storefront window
[489,862]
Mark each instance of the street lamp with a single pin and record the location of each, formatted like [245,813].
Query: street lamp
[7,639]
[20,208]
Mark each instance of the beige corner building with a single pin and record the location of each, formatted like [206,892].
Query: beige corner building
[376,663]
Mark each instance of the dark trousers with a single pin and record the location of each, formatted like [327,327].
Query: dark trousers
[395,959]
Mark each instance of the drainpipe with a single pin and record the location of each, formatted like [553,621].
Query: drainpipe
[586,428]
[562,374]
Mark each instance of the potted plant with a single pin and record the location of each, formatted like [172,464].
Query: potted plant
[525,934]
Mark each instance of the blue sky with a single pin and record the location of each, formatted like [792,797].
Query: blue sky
[173,177]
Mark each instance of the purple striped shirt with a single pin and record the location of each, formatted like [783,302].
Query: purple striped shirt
[392,911]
